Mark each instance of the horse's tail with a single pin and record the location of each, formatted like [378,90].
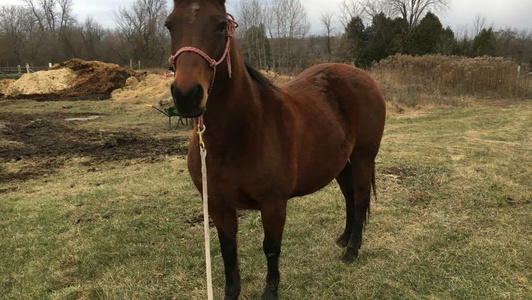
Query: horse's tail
[373,187]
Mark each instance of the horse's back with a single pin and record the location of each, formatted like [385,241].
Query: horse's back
[350,94]
[337,108]
[334,82]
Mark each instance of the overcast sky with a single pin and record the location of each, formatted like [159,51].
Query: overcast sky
[500,13]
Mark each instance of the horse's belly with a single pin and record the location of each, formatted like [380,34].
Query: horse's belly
[319,168]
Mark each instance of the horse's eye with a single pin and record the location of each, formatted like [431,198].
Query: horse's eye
[222,26]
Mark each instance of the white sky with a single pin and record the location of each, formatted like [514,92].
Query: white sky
[499,13]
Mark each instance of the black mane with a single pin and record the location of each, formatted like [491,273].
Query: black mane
[258,77]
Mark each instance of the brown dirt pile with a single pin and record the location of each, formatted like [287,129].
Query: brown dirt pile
[155,89]
[95,79]
[276,78]
[41,83]
[151,88]
[4,84]
[73,79]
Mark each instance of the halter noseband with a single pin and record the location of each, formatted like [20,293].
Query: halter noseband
[230,33]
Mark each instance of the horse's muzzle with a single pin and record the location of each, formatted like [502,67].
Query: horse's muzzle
[188,102]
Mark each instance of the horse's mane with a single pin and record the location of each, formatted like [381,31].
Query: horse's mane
[259,77]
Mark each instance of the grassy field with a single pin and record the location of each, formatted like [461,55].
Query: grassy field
[452,220]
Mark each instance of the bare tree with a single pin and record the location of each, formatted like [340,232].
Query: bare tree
[92,35]
[16,28]
[51,14]
[375,7]
[250,13]
[480,22]
[350,9]
[289,19]
[413,10]
[287,26]
[141,26]
[327,22]
[65,17]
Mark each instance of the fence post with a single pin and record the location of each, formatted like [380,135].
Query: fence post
[139,64]
[27,68]
[49,65]
[131,64]
[19,70]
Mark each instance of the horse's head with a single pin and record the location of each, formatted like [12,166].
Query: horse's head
[200,31]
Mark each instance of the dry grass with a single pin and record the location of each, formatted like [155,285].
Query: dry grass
[450,80]
[451,222]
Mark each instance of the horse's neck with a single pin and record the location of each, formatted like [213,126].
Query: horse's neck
[235,108]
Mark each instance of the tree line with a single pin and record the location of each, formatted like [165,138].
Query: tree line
[273,34]
[42,31]
[366,31]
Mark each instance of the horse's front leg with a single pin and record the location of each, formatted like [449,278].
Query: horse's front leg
[273,220]
[227,226]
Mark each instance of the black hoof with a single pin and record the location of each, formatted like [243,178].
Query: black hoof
[231,294]
[350,255]
[270,294]
[342,241]
[227,297]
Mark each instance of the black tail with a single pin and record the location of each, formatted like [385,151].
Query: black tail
[373,185]
[374,188]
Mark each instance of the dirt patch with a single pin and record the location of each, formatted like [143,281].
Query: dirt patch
[42,143]
[400,172]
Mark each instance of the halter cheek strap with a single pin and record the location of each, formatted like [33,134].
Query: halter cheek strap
[231,27]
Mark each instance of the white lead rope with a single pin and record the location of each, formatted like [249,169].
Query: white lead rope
[203,154]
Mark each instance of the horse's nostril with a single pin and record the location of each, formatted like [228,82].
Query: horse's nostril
[198,93]
[190,97]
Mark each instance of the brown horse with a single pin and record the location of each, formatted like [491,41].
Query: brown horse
[267,144]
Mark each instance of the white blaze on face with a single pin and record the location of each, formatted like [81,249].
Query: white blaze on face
[194,8]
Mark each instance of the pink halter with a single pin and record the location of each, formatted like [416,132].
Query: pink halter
[231,27]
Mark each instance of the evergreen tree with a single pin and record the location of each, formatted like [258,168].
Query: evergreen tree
[256,47]
[426,36]
[447,43]
[384,38]
[485,43]
[355,38]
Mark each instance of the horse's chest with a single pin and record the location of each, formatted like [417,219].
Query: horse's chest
[230,183]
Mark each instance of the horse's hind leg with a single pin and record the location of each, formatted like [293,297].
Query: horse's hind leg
[362,171]
[345,181]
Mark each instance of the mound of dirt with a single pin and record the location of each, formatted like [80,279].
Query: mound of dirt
[41,83]
[151,88]
[75,78]
[95,79]
[276,78]
[4,84]
[155,88]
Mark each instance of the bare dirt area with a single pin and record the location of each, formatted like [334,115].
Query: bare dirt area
[39,144]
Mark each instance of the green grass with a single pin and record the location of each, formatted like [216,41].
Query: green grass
[452,220]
